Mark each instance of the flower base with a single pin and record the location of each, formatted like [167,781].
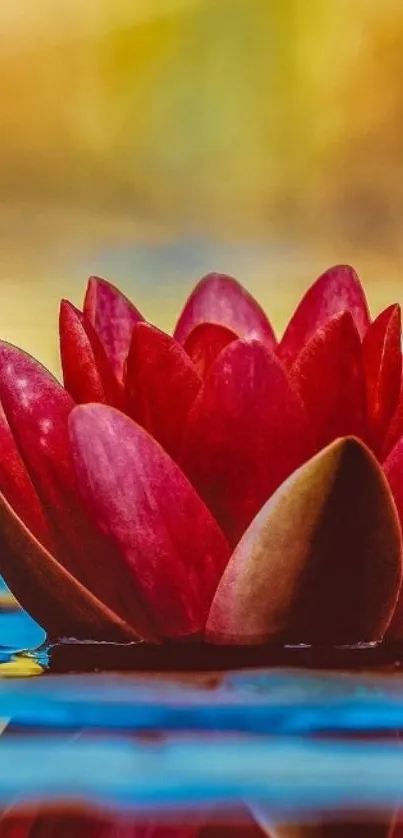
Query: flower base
[78,656]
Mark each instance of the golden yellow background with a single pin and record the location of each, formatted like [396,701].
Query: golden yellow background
[154,140]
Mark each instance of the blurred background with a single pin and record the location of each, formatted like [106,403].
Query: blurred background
[153,140]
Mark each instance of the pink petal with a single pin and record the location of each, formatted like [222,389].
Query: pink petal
[382,354]
[220,299]
[329,375]
[161,385]
[140,498]
[37,408]
[17,487]
[337,290]
[113,317]
[205,342]
[321,562]
[53,597]
[87,373]
[246,431]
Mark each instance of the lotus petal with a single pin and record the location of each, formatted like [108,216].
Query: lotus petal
[139,496]
[382,354]
[393,469]
[338,289]
[395,430]
[37,409]
[329,375]
[246,432]
[220,299]
[53,597]
[113,317]
[87,373]
[16,485]
[320,563]
[205,342]
[161,385]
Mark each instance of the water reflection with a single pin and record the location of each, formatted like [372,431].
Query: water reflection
[240,753]
[18,632]
[76,824]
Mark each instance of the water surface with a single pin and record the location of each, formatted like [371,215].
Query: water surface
[291,744]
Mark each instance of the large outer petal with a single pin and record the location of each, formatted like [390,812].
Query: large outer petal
[321,562]
[140,497]
[393,468]
[54,598]
[338,289]
[87,373]
[219,298]
[113,317]
[161,385]
[382,352]
[329,375]
[37,408]
[16,485]
[246,432]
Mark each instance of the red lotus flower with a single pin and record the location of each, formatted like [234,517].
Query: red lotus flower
[222,486]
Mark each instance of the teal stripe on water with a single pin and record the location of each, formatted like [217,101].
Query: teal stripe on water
[18,630]
[291,779]
[291,705]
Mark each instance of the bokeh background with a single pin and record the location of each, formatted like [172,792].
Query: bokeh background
[153,140]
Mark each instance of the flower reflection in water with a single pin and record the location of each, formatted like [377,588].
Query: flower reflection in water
[70,824]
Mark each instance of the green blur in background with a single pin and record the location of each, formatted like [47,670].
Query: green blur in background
[152,141]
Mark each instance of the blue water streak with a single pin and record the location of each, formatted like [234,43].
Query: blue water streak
[290,778]
[286,703]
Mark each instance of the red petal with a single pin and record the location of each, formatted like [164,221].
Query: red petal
[245,433]
[87,373]
[54,598]
[320,563]
[337,290]
[382,352]
[220,299]
[139,496]
[205,342]
[161,385]
[393,468]
[16,485]
[395,430]
[37,408]
[329,376]
[113,317]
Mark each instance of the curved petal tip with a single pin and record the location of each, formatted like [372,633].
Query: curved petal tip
[221,299]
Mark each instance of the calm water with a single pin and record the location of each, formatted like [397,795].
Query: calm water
[291,746]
